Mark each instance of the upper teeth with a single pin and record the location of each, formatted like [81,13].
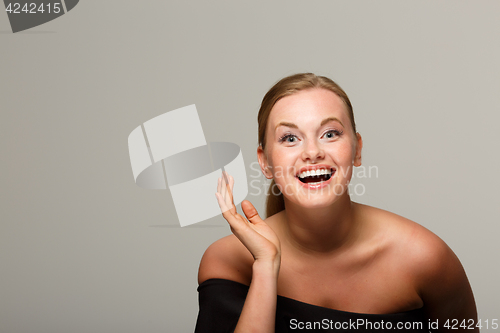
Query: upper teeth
[310,173]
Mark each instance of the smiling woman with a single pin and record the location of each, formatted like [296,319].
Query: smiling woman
[319,257]
[306,133]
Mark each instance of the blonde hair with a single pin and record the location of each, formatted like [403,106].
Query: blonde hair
[286,87]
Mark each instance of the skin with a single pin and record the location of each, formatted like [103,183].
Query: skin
[324,249]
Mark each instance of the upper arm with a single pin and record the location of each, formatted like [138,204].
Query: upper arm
[226,259]
[442,283]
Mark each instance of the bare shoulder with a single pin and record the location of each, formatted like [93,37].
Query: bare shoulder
[430,265]
[227,258]
[418,248]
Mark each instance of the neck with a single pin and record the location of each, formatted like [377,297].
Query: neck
[320,230]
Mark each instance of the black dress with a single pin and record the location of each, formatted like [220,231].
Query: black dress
[221,302]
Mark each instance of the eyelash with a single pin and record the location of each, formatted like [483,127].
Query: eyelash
[336,132]
[286,136]
[290,135]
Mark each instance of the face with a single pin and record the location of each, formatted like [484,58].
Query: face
[311,148]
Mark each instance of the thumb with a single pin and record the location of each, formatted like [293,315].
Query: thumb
[250,212]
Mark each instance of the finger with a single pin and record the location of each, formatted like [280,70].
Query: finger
[231,183]
[221,195]
[225,190]
[229,192]
[221,189]
[225,176]
[250,212]
[236,221]
[220,201]
[227,187]
[223,186]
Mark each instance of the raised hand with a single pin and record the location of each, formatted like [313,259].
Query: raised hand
[254,233]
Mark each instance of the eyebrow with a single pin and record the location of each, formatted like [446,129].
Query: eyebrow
[325,121]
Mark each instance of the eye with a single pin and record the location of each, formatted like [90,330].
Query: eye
[331,134]
[290,138]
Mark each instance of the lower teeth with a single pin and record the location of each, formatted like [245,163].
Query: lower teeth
[314,183]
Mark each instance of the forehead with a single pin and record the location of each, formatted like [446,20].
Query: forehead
[308,107]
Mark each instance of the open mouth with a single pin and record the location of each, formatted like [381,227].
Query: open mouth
[315,176]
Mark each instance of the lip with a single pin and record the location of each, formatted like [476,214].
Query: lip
[315,167]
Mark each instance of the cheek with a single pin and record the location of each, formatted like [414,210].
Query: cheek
[344,158]
[344,154]
[278,163]
[279,157]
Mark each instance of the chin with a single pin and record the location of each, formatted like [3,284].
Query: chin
[311,200]
[315,205]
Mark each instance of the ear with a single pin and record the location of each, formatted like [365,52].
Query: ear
[359,146]
[264,164]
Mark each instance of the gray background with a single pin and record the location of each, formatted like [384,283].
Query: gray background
[83,249]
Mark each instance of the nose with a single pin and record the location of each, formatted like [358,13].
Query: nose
[313,152]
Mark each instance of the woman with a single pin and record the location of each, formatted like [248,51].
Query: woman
[320,261]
